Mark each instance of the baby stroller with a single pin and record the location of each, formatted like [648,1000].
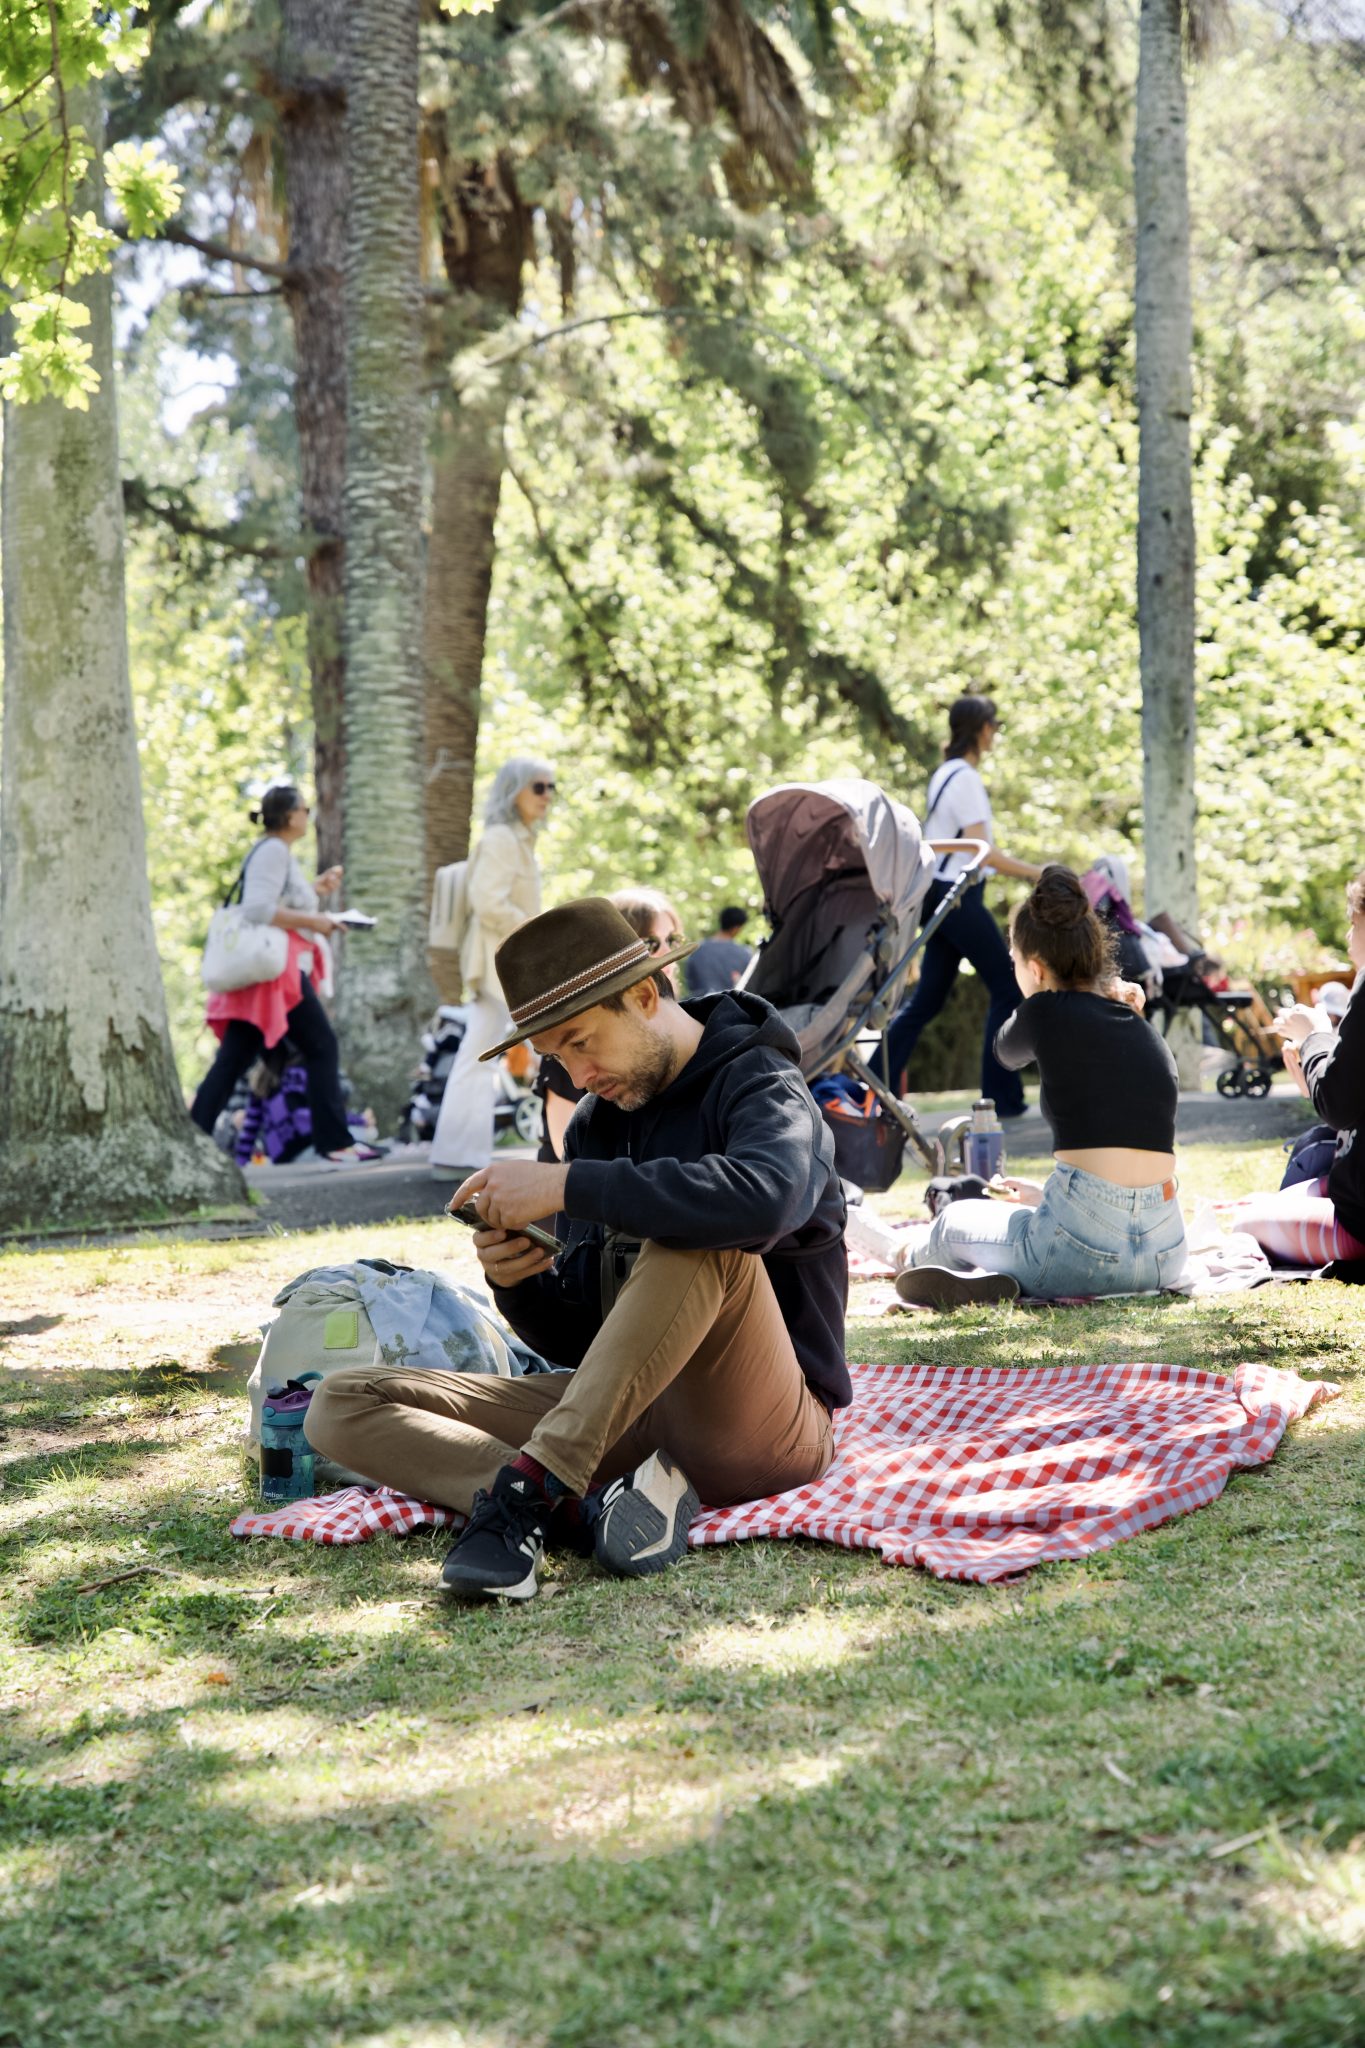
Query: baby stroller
[844,873]
[1177,974]
[516,1106]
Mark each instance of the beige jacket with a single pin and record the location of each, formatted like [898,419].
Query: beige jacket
[504,890]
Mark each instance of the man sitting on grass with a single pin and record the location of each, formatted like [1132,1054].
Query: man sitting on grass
[700,1296]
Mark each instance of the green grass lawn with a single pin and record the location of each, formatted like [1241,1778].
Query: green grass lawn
[781,1795]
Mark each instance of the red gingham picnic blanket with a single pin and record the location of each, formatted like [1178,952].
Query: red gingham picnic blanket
[351,1516]
[977,1473]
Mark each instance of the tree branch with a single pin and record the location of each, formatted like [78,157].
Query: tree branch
[172,508]
[223,252]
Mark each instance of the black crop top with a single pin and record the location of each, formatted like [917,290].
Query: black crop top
[1108,1077]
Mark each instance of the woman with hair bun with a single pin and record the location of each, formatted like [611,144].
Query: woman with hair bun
[504,890]
[959,808]
[276,891]
[1107,1221]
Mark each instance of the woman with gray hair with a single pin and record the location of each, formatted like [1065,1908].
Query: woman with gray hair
[504,890]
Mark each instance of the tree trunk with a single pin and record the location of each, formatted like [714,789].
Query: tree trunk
[485,239]
[312,116]
[92,1120]
[1165,502]
[385,990]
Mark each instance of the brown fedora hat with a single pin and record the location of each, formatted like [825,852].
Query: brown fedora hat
[565,961]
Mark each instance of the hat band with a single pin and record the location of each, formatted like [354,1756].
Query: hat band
[579,984]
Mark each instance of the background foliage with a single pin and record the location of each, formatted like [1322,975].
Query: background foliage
[882,449]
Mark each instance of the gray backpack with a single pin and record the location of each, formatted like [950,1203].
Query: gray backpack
[373,1313]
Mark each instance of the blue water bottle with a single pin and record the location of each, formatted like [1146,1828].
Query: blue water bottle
[288,1462]
[985,1140]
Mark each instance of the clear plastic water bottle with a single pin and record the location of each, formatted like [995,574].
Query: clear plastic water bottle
[288,1461]
[985,1140]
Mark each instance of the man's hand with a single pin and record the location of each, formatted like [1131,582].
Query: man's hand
[507,1260]
[1293,1066]
[512,1192]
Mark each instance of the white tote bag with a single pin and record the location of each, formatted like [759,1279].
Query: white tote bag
[237,952]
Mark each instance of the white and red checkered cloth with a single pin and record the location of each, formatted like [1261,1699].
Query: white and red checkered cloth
[351,1516]
[977,1473]
[972,1472]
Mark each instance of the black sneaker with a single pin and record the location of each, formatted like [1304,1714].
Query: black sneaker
[945,1287]
[644,1518]
[498,1554]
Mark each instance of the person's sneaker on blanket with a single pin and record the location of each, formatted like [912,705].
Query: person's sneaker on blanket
[698,1300]
[636,1525]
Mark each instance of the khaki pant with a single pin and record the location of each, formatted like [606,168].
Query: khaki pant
[694,1359]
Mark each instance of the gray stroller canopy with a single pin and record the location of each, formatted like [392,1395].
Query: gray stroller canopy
[803,833]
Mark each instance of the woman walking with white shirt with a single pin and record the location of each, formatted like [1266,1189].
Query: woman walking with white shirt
[504,890]
[959,808]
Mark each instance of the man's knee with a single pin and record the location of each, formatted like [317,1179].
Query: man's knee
[337,1406]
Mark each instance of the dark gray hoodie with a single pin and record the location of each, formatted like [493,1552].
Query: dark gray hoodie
[732,1155]
[1334,1068]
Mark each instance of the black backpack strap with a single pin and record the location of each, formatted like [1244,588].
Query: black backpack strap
[939,797]
[238,889]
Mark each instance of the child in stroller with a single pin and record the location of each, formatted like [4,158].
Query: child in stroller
[1175,973]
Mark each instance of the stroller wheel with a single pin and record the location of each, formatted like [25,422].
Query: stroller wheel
[529,1120]
[1258,1082]
[1230,1081]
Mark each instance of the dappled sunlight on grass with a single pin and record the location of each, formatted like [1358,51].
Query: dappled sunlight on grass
[662,1793]
[814,1640]
[1314,1893]
[781,1795]
[449,2036]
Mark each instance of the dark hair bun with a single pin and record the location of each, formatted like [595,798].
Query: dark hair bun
[1059,900]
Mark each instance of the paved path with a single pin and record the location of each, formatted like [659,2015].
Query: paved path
[313,1197]
[310,1198]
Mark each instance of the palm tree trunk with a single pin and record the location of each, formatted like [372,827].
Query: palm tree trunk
[312,117]
[385,990]
[485,240]
[1165,503]
[92,1120]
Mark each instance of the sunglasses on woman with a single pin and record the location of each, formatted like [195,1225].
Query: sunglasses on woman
[542,789]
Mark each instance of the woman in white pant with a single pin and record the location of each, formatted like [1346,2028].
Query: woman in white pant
[504,890]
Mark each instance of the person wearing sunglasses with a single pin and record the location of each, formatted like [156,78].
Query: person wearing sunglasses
[504,891]
[649,913]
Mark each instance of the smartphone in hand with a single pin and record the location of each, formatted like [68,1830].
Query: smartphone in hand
[542,1239]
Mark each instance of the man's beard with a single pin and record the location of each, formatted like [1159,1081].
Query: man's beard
[646,1076]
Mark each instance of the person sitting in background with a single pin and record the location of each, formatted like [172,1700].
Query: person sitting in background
[1107,1220]
[720,960]
[648,912]
[1321,1221]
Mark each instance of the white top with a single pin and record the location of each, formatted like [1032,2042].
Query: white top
[274,877]
[504,891]
[957,798]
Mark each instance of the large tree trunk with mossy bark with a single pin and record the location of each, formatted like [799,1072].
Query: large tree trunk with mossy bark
[485,241]
[385,990]
[1166,543]
[310,87]
[93,1125]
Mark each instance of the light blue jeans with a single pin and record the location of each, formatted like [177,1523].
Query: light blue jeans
[1087,1236]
